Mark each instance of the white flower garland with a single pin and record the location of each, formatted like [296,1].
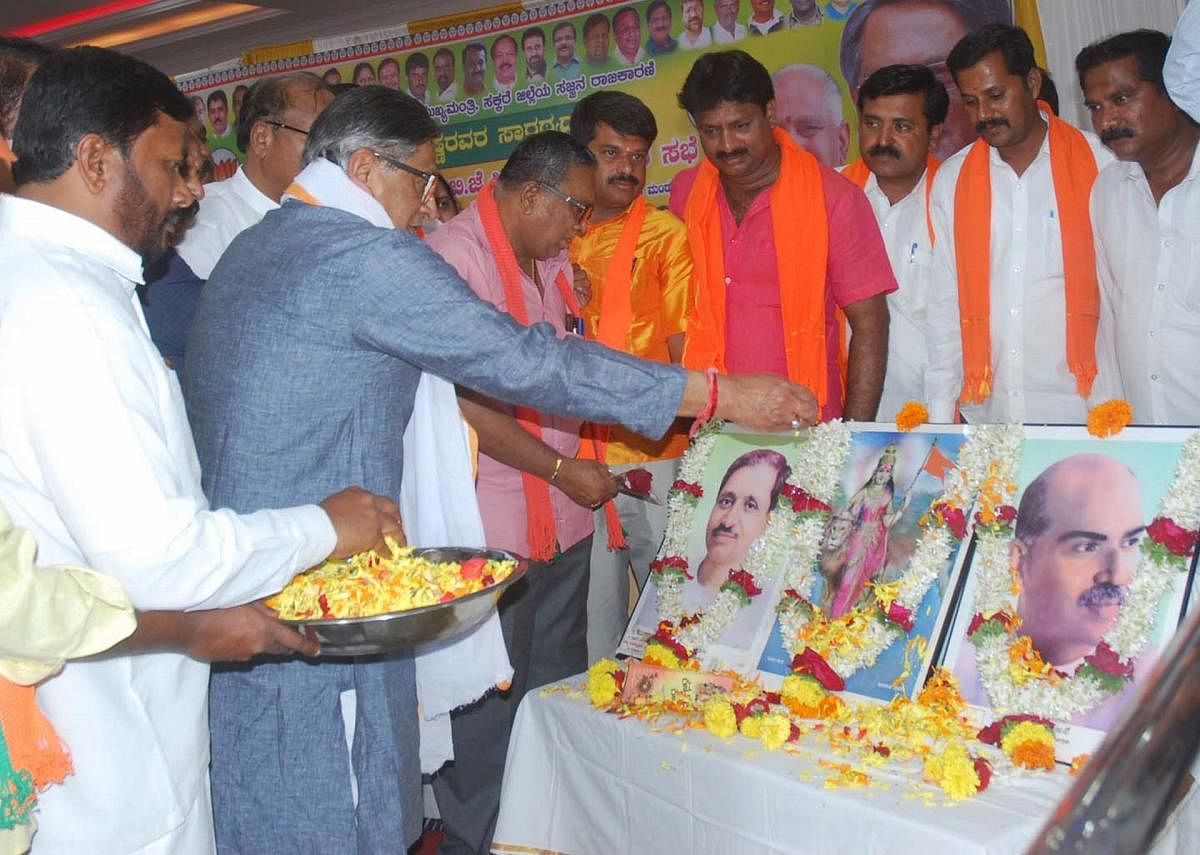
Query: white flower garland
[1055,696]
[933,549]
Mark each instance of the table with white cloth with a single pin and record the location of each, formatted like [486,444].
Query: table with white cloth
[579,781]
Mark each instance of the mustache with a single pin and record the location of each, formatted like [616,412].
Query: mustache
[989,124]
[884,151]
[721,528]
[1104,594]
[623,179]
[728,155]
[1110,134]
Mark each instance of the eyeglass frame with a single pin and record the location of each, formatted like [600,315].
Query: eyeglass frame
[583,208]
[430,178]
[284,125]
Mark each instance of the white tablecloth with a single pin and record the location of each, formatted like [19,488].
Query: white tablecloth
[580,781]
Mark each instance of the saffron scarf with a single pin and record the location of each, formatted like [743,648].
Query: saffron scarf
[540,530]
[859,173]
[1073,171]
[801,231]
[616,316]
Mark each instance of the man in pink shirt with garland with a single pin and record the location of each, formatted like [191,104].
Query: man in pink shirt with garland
[781,244]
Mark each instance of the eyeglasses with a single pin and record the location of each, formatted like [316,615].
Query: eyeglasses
[286,126]
[430,178]
[583,211]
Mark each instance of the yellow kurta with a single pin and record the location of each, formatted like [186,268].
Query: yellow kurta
[661,299]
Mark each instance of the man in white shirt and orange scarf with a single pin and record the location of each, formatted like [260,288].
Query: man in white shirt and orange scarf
[780,243]
[640,269]
[1014,301]
[1144,210]
[902,109]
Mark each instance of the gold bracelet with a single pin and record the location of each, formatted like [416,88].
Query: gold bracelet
[557,466]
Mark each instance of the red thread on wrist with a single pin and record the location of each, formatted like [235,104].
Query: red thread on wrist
[711,407]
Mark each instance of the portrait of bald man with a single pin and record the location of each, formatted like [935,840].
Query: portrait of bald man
[808,105]
[1075,552]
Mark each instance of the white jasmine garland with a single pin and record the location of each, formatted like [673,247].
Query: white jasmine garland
[1014,688]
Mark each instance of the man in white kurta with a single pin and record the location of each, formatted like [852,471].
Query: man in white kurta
[272,126]
[1144,212]
[1030,378]
[97,461]
[901,112]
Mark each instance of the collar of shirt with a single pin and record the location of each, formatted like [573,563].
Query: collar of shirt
[879,200]
[47,224]
[241,184]
[1044,151]
[1134,171]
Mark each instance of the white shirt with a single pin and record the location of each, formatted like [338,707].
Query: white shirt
[764,29]
[1149,261]
[621,59]
[448,94]
[228,208]
[906,236]
[97,462]
[701,41]
[1030,379]
[722,36]
[1181,71]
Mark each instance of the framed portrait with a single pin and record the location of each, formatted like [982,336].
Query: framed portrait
[827,523]
[740,483]
[1080,601]
[886,487]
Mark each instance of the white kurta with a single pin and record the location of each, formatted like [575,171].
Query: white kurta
[97,462]
[905,233]
[1031,382]
[1181,71]
[1149,260]
[229,207]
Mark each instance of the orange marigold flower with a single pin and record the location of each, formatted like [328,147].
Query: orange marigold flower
[1109,418]
[912,415]
[1078,762]
[1034,755]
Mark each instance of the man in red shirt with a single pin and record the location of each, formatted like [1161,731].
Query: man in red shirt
[781,243]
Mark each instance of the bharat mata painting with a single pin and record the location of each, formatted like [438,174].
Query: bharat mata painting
[888,483]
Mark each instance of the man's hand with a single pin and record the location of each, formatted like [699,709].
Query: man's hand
[586,482]
[765,402]
[362,520]
[237,634]
[582,285]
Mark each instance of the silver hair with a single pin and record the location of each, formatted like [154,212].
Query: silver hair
[371,117]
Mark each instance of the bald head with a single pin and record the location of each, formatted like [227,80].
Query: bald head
[808,106]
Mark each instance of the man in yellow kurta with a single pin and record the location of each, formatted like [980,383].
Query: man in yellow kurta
[640,268]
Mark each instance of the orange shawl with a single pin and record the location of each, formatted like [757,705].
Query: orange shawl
[1073,170]
[801,231]
[540,530]
[616,316]
[858,172]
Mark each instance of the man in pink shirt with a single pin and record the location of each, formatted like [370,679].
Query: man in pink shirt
[750,325]
[507,244]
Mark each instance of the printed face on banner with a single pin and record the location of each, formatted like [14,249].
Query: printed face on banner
[888,484]
[1072,560]
[488,92]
